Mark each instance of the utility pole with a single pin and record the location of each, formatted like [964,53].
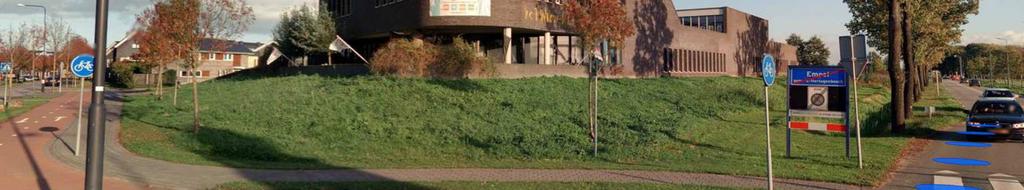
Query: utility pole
[97,125]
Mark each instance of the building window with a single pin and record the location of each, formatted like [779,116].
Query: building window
[186,74]
[709,22]
[384,3]
[135,46]
[229,57]
[211,56]
[340,8]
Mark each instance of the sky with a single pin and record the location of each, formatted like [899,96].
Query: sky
[827,18]
[822,18]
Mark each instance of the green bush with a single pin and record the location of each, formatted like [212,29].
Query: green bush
[122,75]
[170,76]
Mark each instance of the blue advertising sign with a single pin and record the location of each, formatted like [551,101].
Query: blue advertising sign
[830,77]
[768,70]
[82,65]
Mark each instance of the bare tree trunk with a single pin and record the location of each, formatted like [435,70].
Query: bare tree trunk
[195,103]
[160,81]
[895,73]
[910,90]
[591,107]
[177,85]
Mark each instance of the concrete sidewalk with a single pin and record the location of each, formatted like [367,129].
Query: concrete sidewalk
[157,173]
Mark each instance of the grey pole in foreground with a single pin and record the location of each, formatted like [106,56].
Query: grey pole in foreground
[856,112]
[768,139]
[97,126]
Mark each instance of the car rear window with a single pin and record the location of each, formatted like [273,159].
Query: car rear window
[997,108]
[998,93]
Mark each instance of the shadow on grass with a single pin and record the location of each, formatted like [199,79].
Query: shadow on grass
[465,85]
[239,151]
[329,71]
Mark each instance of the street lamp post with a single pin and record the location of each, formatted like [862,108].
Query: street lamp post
[42,87]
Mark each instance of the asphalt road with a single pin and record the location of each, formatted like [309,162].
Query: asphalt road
[1006,158]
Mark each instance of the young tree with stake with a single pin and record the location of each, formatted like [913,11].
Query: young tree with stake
[596,22]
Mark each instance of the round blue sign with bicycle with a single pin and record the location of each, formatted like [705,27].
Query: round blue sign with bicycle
[5,67]
[82,65]
[768,70]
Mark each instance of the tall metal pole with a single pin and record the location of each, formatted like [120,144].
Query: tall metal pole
[768,139]
[856,115]
[97,126]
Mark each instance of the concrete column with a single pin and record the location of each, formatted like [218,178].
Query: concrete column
[547,48]
[508,45]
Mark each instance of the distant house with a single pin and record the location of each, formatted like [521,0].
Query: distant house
[217,57]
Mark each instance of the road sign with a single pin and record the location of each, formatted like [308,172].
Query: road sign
[82,65]
[5,67]
[818,100]
[818,76]
[768,70]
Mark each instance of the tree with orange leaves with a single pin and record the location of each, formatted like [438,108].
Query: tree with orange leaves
[184,24]
[596,22]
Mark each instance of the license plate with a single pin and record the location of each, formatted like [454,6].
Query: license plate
[1001,131]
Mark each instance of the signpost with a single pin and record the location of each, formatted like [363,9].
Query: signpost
[853,52]
[81,67]
[768,74]
[819,97]
[5,69]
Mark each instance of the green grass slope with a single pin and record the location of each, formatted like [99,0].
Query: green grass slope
[713,125]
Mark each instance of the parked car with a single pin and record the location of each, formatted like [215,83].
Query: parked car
[51,81]
[1002,117]
[26,78]
[998,93]
[974,82]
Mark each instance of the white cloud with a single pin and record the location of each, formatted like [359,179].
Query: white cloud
[1010,36]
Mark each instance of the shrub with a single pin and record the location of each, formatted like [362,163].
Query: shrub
[417,58]
[458,59]
[122,75]
[170,76]
[403,57]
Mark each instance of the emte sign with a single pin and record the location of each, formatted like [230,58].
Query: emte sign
[819,100]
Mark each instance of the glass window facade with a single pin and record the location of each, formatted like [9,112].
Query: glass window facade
[709,22]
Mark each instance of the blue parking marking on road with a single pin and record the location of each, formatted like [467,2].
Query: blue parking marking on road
[969,144]
[962,161]
[981,125]
[976,133]
[943,187]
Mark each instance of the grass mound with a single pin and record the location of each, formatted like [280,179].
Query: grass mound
[692,124]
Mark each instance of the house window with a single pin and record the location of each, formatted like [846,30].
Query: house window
[211,56]
[135,46]
[186,74]
[229,57]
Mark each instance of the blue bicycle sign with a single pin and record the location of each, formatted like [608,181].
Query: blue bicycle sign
[5,67]
[82,65]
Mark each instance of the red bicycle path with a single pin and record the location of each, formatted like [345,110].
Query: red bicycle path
[24,139]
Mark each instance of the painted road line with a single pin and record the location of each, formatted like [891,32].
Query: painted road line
[58,118]
[1004,182]
[968,144]
[946,177]
[961,161]
[23,120]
